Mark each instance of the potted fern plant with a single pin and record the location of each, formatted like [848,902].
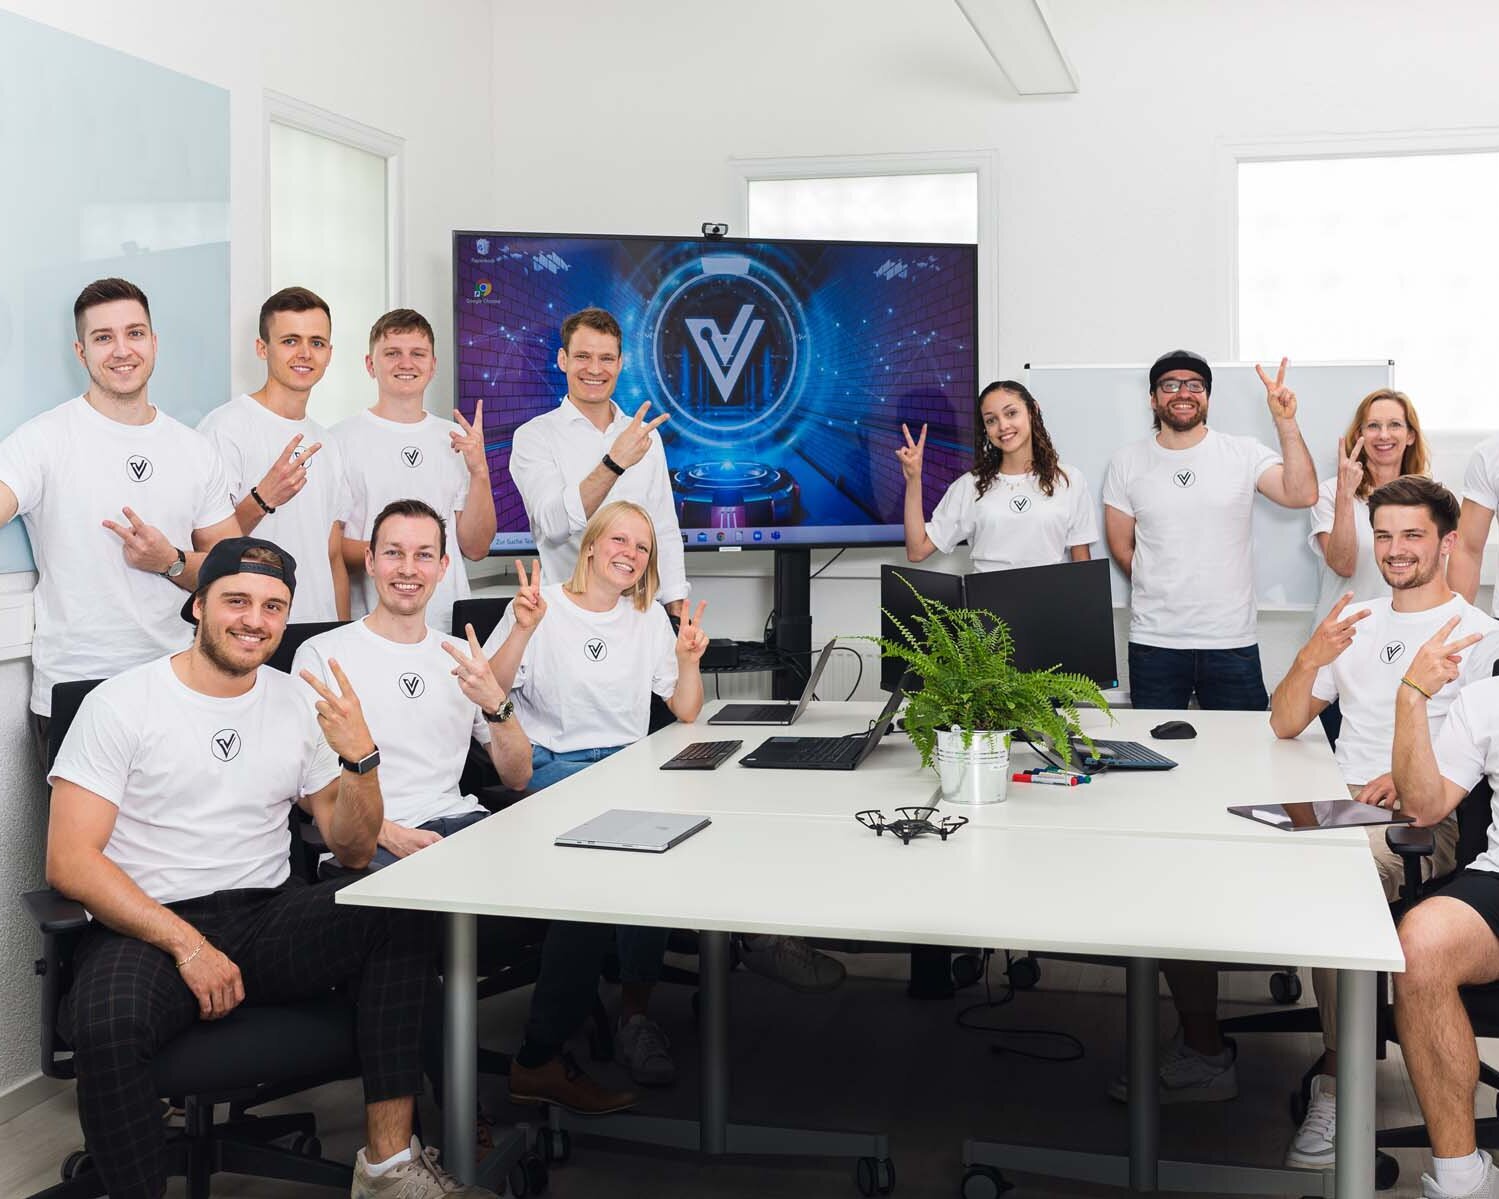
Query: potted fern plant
[973,698]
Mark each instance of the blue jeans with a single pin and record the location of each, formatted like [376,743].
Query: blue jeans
[1223,679]
[639,949]
[443,826]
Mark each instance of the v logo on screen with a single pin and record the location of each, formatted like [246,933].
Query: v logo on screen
[225,745]
[725,354]
[1392,652]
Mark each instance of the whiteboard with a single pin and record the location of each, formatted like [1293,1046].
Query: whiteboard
[116,167]
[1090,411]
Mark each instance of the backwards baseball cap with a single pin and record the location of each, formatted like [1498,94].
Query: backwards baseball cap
[1182,360]
[227,558]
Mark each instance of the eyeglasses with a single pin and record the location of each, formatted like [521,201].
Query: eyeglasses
[1191,386]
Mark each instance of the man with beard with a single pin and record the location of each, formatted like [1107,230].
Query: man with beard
[1178,511]
[170,800]
[120,502]
[1359,661]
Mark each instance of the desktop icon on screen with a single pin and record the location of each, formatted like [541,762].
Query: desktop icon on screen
[482,288]
[481,247]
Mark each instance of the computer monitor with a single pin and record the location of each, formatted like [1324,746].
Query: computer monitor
[897,600]
[1061,615]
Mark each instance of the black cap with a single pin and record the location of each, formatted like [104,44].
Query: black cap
[226,558]
[1182,360]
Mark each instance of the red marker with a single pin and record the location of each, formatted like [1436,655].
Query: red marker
[1053,780]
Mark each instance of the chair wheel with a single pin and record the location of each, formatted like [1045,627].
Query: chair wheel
[967,969]
[874,1175]
[528,1176]
[1024,973]
[307,1146]
[1386,1171]
[1285,988]
[555,1146]
[983,1182]
[75,1164]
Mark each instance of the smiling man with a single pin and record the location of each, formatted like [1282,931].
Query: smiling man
[397,450]
[268,445]
[119,500]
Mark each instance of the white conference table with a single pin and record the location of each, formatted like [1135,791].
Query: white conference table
[778,859]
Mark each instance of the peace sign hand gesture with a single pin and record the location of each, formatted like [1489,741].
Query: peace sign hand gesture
[288,475]
[691,640]
[475,678]
[1350,469]
[146,547]
[1280,398]
[528,605]
[635,438]
[1333,635]
[340,716]
[1439,661]
[911,455]
[470,442]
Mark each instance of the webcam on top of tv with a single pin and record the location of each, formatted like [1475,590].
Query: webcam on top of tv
[715,230]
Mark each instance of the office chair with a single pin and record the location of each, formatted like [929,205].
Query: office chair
[253,1055]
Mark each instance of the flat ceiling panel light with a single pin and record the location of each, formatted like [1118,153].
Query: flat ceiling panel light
[1018,36]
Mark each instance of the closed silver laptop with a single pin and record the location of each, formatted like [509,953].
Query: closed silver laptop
[645,832]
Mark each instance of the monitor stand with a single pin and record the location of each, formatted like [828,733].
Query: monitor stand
[791,621]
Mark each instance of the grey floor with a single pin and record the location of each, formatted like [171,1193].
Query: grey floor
[864,1057]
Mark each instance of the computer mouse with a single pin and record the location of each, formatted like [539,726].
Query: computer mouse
[1173,730]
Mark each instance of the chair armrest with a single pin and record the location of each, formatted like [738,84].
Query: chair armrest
[1407,841]
[497,799]
[311,835]
[54,913]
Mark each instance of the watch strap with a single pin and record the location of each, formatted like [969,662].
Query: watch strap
[364,765]
[613,465]
[264,507]
[501,714]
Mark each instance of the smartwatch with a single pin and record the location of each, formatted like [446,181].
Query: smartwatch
[364,765]
[175,570]
[613,465]
[501,714]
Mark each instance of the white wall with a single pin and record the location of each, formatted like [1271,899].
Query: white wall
[417,72]
[1114,224]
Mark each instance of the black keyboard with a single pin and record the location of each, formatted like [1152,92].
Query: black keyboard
[1121,755]
[823,749]
[754,714]
[702,755]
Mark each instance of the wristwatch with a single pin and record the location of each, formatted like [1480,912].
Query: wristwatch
[613,465]
[501,714]
[176,568]
[364,765]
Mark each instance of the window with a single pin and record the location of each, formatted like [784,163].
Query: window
[914,207]
[1376,257]
[330,215]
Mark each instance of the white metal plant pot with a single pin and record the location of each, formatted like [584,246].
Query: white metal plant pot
[978,773]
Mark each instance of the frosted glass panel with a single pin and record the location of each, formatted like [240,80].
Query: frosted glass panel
[116,167]
[867,208]
[1377,258]
[329,233]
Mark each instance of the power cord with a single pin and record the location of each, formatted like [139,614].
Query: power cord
[1072,1050]
[828,563]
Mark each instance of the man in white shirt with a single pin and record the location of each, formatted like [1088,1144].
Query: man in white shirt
[567,462]
[169,823]
[1178,511]
[424,699]
[1357,660]
[1480,501]
[268,443]
[1450,939]
[397,450]
[120,502]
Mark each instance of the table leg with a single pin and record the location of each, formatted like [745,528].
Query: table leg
[713,1032]
[1142,995]
[1356,1043]
[460,1044]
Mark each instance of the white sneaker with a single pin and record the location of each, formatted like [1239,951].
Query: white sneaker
[1313,1146]
[642,1048]
[791,962]
[1188,1076]
[1487,1189]
[420,1178]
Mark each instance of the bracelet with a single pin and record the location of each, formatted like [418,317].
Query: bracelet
[264,507]
[194,953]
[1415,686]
[613,465]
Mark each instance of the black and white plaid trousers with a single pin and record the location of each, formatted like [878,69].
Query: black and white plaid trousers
[290,942]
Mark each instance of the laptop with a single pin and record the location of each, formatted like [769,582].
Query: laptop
[645,832]
[780,713]
[824,753]
[1119,755]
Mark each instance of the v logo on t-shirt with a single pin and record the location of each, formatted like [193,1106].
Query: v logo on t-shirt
[1020,503]
[412,685]
[412,454]
[138,466]
[1391,653]
[226,745]
[595,648]
[1184,478]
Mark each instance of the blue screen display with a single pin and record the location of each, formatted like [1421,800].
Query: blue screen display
[787,368]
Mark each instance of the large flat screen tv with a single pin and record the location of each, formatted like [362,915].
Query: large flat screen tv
[787,368]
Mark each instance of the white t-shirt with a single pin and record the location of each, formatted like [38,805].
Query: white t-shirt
[203,785]
[417,715]
[1467,749]
[1015,523]
[1366,578]
[1481,483]
[386,460]
[72,468]
[553,453]
[1365,677]
[249,437]
[1192,584]
[586,679]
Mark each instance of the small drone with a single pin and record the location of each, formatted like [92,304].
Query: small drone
[912,822]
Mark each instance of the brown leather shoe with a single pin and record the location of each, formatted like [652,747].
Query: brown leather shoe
[563,1082]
